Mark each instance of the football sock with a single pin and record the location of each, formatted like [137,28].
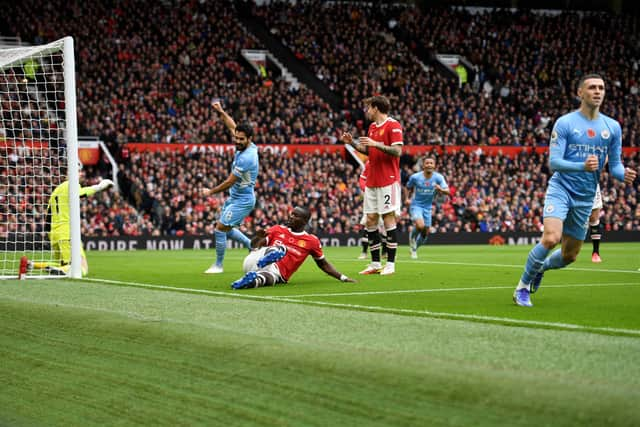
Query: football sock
[240,237]
[392,245]
[415,235]
[422,239]
[365,241]
[374,244]
[535,261]
[596,234]
[554,261]
[221,246]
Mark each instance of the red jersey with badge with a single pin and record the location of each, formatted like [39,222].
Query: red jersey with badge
[299,246]
[385,169]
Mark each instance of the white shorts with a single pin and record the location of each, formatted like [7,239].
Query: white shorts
[251,260]
[597,200]
[382,200]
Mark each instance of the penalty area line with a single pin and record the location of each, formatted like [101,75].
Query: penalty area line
[385,310]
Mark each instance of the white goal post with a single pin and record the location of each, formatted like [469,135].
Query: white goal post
[38,152]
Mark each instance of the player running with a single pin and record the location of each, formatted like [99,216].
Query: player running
[579,146]
[425,184]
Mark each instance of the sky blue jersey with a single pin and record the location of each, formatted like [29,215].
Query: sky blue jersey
[425,189]
[573,139]
[245,168]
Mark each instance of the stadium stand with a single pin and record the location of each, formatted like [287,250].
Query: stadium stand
[147,72]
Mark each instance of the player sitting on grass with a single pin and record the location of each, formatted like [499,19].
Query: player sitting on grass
[59,228]
[282,252]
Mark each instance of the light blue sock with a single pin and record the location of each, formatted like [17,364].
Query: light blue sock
[535,261]
[239,237]
[554,261]
[221,246]
[415,235]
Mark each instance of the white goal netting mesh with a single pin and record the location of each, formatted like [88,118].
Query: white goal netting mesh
[33,158]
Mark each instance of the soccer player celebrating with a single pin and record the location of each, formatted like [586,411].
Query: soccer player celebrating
[580,143]
[285,249]
[240,183]
[59,227]
[382,195]
[425,184]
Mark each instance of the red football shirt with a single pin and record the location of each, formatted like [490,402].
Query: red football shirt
[384,169]
[299,246]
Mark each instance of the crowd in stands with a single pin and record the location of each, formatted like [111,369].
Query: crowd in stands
[161,193]
[526,65]
[147,71]
[489,193]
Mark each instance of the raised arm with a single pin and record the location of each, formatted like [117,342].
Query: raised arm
[226,118]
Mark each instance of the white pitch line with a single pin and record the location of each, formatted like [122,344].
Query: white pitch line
[479,288]
[455,316]
[521,266]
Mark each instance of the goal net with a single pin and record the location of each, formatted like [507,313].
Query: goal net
[38,152]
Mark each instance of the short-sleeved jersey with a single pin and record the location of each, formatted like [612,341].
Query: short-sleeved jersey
[299,246]
[362,181]
[245,168]
[58,209]
[425,188]
[574,138]
[385,169]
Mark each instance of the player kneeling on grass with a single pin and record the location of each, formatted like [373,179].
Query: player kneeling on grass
[281,250]
[59,228]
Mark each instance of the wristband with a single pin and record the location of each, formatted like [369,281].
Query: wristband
[343,278]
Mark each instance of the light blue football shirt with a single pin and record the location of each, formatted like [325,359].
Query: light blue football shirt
[245,167]
[573,139]
[425,189]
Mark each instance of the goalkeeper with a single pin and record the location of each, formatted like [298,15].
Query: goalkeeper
[59,228]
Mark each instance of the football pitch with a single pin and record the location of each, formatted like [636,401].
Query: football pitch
[148,339]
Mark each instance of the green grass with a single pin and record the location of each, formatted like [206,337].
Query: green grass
[150,340]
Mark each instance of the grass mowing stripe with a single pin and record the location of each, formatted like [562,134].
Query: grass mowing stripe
[236,361]
[475,264]
[478,288]
[376,309]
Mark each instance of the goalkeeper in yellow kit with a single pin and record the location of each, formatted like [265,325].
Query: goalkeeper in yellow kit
[59,228]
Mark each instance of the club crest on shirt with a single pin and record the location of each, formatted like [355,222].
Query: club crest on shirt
[591,133]
[605,134]
[302,243]
[549,208]
[381,132]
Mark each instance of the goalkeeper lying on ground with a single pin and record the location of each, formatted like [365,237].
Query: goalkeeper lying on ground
[59,228]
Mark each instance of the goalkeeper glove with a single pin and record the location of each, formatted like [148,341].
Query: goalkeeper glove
[103,185]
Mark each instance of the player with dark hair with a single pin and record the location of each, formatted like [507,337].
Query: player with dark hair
[382,195]
[579,146]
[425,184]
[240,183]
[284,249]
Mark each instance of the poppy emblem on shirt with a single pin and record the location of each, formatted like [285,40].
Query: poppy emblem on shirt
[591,133]
[605,134]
